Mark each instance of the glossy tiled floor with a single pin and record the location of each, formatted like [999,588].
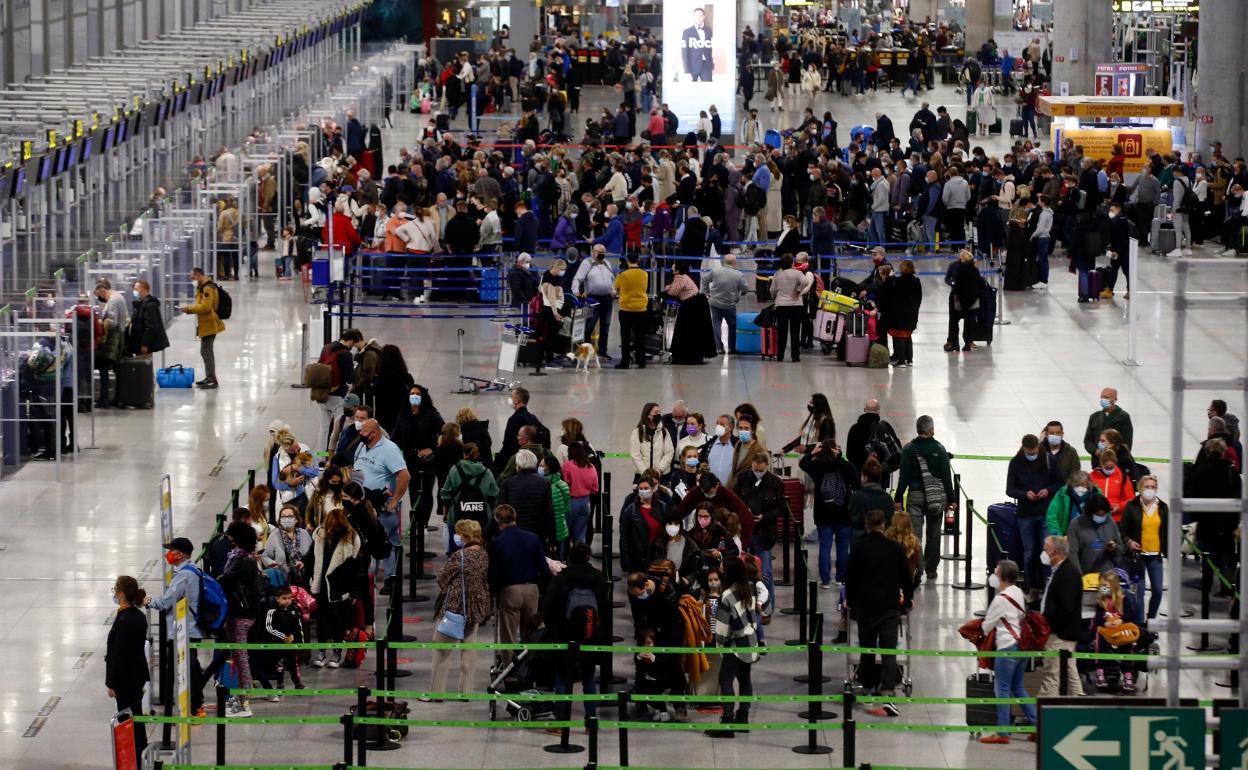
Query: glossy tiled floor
[62,544]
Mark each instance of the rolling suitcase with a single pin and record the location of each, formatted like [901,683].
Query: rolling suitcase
[749,334]
[1007,540]
[487,289]
[136,383]
[836,302]
[1017,128]
[1095,284]
[828,327]
[769,342]
[857,350]
[995,128]
[981,684]
[1166,239]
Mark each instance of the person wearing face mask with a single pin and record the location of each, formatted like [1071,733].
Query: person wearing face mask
[1032,480]
[748,443]
[554,310]
[1070,502]
[417,433]
[125,661]
[1064,455]
[641,522]
[1113,482]
[833,481]
[1117,623]
[1110,415]
[718,453]
[710,490]
[342,427]
[1095,541]
[685,475]
[560,498]
[1005,616]
[674,545]
[146,332]
[691,431]
[1145,522]
[289,548]
[381,469]
[1062,606]
[763,493]
[464,586]
[184,585]
[650,444]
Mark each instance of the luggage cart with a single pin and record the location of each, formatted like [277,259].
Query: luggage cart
[513,338]
[667,328]
[577,319]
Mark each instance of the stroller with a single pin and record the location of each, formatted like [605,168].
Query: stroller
[1146,644]
[529,673]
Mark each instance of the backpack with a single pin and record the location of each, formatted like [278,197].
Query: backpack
[543,433]
[884,445]
[225,305]
[469,501]
[329,356]
[1188,202]
[1035,631]
[213,605]
[582,616]
[833,489]
[755,199]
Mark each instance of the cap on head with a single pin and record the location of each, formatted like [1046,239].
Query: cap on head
[181,545]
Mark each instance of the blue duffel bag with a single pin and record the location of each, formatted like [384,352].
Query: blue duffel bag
[176,376]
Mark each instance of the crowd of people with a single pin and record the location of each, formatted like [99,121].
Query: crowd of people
[696,531]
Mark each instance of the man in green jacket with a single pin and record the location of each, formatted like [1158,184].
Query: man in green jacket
[1110,415]
[931,492]
[526,438]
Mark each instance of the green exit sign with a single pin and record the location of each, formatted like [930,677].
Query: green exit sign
[1103,738]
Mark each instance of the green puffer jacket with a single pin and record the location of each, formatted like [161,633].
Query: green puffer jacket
[561,503]
[1057,520]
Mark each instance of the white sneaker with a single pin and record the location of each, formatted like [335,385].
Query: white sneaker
[275,699]
[336,661]
[1175,253]
[1040,285]
[319,662]
[237,708]
[1226,253]
[1187,252]
[419,300]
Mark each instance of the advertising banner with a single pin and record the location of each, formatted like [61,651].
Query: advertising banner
[1098,143]
[699,60]
[182,670]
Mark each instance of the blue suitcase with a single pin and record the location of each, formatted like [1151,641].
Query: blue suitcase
[488,289]
[772,138]
[1008,542]
[749,334]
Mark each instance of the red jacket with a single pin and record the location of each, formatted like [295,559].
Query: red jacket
[1117,487]
[345,235]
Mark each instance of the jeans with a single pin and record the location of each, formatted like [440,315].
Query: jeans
[720,316]
[578,519]
[733,669]
[329,412]
[789,325]
[1085,284]
[1044,247]
[764,560]
[390,520]
[565,675]
[288,267]
[929,230]
[599,314]
[827,533]
[1029,121]
[1009,673]
[1154,568]
[1032,531]
[877,232]
[927,526]
[210,358]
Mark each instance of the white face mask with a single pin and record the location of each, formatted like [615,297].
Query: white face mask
[1045,560]
[459,540]
[1081,491]
[994,582]
[720,431]
[645,494]
[359,425]
[672,530]
[1148,494]
[287,522]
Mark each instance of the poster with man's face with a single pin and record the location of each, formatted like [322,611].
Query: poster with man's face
[698,66]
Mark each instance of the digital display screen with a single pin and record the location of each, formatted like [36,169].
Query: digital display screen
[197,93]
[162,111]
[107,141]
[6,184]
[88,145]
[151,114]
[699,68]
[19,183]
[231,77]
[135,123]
[58,163]
[181,102]
[119,135]
[45,168]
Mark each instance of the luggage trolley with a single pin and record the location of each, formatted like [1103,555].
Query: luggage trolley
[512,338]
[577,319]
[667,328]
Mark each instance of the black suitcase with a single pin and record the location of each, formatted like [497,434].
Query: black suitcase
[1017,127]
[443,121]
[981,684]
[762,288]
[385,733]
[995,128]
[136,384]
[1007,541]
[895,229]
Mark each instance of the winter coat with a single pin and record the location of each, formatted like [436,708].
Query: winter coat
[333,580]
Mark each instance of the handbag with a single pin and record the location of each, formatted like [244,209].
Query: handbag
[451,624]
[766,317]
[176,376]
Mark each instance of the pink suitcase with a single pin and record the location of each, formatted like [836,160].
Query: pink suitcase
[829,326]
[857,350]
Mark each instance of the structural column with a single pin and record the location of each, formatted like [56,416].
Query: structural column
[978,24]
[1082,38]
[523,27]
[1219,78]
[747,16]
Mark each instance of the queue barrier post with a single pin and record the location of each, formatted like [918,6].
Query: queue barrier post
[953,523]
[849,728]
[234,499]
[786,546]
[591,727]
[967,583]
[810,626]
[1063,663]
[394,613]
[348,729]
[813,712]
[800,607]
[222,696]
[353,732]
[565,745]
[251,480]
[622,703]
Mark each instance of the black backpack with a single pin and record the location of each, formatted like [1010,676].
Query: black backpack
[884,445]
[1188,202]
[543,433]
[469,501]
[582,617]
[225,305]
[833,490]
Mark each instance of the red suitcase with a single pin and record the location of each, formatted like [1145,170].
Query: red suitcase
[770,343]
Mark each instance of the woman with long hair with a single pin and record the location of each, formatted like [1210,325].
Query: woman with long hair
[573,433]
[650,445]
[901,531]
[1117,623]
[335,551]
[581,476]
[327,495]
[391,388]
[416,432]
[734,627]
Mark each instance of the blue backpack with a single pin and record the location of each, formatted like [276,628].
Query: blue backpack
[213,604]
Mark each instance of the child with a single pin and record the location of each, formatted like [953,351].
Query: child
[761,595]
[278,624]
[709,683]
[288,248]
[294,475]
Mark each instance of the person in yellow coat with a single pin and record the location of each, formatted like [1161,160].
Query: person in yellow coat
[208,324]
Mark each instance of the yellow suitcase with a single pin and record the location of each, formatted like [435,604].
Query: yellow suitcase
[837,303]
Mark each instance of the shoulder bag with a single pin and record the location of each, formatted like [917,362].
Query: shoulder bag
[451,624]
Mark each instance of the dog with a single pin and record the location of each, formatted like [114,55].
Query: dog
[585,356]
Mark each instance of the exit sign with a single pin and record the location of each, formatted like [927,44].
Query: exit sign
[1080,738]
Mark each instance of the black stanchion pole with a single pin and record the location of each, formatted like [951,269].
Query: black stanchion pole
[355,732]
[813,711]
[416,564]
[251,480]
[809,626]
[801,608]
[815,678]
[222,695]
[591,727]
[849,727]
[1063,664]
[394,613]
[786,545]
[165,674]
[967,583]
[801,575]
[623,716]
[234,499]
[953,523]
[382,742]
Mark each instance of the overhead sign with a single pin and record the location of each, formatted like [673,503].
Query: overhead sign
[1156,6]
[1103,738]
[1110,107]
